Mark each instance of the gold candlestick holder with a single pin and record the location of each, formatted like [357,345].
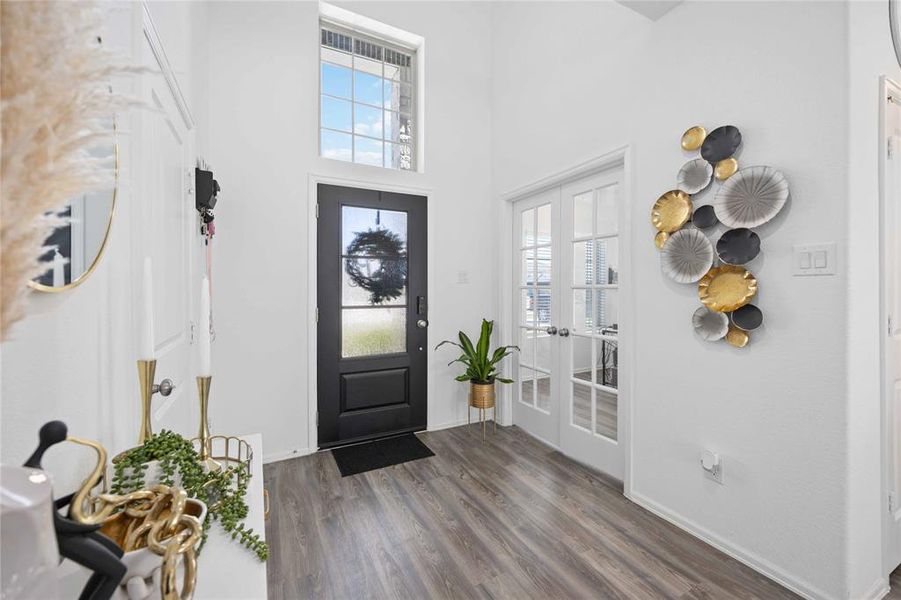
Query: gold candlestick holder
[203,435]
[146,374]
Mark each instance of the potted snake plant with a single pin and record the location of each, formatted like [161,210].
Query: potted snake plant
[481,365]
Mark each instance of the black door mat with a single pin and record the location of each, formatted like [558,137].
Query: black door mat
[379,454]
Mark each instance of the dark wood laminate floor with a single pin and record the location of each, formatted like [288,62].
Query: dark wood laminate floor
[895,584]
[508,518]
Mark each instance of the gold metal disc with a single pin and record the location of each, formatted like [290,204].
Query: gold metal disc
[737,337]
[660,239]
[693,138]
[671,211]
[727,288]
[725,169]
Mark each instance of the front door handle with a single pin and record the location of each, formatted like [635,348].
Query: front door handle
[564,332]
[551,330]
[422,323]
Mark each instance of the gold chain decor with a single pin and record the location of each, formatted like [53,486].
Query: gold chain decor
[161,518]
[742,200]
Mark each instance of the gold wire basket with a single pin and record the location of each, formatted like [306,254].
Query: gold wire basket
[228,451]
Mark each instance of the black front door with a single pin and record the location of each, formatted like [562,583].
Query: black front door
[372,336]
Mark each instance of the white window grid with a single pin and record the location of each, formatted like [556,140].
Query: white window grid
[355,44]
[596,336]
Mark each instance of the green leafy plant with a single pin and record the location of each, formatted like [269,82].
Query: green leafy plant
[222,491]
[481,364]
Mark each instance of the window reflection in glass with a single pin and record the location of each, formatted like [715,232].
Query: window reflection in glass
[373,232]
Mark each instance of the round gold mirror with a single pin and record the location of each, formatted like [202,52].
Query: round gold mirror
[74,248]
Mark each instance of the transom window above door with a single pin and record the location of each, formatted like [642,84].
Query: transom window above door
[366,100]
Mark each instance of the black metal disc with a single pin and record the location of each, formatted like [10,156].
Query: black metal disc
[704,217]
[738,246]
[748,317]
[721,143]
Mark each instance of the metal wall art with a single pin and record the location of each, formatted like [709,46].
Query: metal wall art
[743,199]
[709,325]
[751,197]
[694,176]
[687,255]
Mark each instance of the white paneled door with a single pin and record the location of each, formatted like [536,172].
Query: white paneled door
[566,279]
[166,224]
[891,311]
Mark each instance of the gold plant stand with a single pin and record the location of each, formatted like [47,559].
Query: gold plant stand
[482,397]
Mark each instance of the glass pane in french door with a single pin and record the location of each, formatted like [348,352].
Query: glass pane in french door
[593,290]
[535,301]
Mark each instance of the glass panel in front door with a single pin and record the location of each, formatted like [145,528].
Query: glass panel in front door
[595,323]
[374,281]
[536,262]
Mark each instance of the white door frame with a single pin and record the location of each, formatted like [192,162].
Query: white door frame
[887,87]
[312,273]
[618,157]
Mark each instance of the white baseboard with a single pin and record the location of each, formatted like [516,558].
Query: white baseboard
[878,590]
[542,440]
[278,456]
[448,425]
[761,565]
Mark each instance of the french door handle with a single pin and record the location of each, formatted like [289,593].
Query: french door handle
[551,330]
[564,332]
[422,323]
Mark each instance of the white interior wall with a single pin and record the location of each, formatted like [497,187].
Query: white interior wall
[575,80]
[263,116]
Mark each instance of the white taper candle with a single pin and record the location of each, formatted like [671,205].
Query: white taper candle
[146,338]
[204,339]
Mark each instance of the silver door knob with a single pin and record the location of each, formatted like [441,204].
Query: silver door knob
[422,323]
[164,387]
[551,330]
[564,332]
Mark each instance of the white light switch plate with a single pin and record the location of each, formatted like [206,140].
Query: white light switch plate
[813,259]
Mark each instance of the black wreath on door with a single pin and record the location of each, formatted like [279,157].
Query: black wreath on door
[388,280]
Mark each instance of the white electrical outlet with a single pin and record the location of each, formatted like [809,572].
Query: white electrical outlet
[712,463]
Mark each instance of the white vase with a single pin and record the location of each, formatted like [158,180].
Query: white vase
[29,554]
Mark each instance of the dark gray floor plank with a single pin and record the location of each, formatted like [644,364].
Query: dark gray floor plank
[505,518]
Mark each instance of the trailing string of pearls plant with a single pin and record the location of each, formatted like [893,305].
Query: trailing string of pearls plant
[223,491]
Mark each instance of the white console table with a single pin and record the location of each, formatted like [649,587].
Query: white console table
[226,570]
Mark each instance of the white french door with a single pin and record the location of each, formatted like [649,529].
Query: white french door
[567,273]
[536,219]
